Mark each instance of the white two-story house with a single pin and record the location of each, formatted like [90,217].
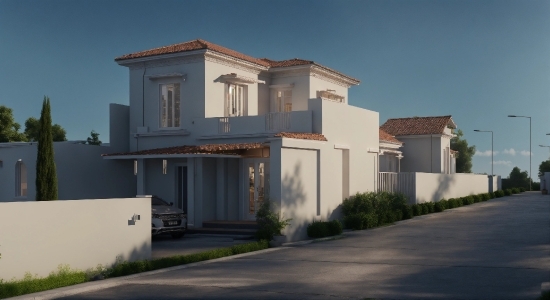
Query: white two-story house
[218,132]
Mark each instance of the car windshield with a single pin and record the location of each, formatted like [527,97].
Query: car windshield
[159,202]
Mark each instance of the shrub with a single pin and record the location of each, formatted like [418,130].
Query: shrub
[323,229]
[407,212]
[440,205]
[492,195]
[372,209]
[515,191]
[485,197]
[451,203]
[499,194]
[467,200]
[522,189]
[270,223]
[507,192]
[477,198]
[361,221]
[425,208]
[417,209]
[431,207]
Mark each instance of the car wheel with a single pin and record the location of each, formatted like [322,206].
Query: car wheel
[177,235]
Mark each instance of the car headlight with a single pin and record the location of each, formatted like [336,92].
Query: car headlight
[156,216]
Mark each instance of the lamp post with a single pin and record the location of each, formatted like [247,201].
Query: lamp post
[546,147]
[514,116]
[492,152]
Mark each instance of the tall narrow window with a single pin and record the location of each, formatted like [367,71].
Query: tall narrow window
[235,100]
[20,179]
[169,105]
[283,99]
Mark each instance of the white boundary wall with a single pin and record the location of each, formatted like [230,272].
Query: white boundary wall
[432,187]
[37,237]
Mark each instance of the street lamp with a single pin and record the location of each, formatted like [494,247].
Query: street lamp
[514,116]
[546,147]
[492,152]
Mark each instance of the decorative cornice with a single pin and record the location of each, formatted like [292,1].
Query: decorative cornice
[314,71]
[164,60]
[329,76]
[233,62]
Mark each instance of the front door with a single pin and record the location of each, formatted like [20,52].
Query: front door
[257,185]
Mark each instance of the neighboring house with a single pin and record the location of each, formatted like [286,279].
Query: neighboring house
[81,171]
[217,132]
[390,154]
[427,143]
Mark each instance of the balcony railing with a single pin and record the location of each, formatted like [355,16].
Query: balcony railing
[294,121]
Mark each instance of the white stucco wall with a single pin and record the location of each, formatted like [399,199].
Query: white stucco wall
[432,187]
[37,237]
[422,153]
[214,93]
[81,172]
[192,92]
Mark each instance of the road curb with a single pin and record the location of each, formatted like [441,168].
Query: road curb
[113,282]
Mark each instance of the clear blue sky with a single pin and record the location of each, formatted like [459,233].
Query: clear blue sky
[475,60]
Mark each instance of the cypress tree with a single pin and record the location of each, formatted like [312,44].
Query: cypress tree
[46,177]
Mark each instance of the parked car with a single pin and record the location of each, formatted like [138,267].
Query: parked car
[167,219]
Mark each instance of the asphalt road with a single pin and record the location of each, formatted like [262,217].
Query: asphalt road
[491,250]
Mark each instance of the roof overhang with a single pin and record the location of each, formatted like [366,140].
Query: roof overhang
[168,156]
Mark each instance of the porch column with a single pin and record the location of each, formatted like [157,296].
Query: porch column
[198,191]
[220,189]
[141,177]
[191,192]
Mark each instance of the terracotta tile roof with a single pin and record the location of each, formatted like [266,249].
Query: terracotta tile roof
[199,44]
[302,136]
[301,62]
[228,149]
[386,137]
[191,46]
[417,125]
[287,63]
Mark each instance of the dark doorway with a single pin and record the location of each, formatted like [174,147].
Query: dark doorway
[182,188]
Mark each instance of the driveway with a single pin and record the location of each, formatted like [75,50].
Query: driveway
[491,250]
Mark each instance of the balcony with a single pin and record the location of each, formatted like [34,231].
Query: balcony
[294,121]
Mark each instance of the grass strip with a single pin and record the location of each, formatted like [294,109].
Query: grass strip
[64,276]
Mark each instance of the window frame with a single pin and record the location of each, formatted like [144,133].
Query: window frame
[21,180]
[175,116]
[281,104]
[242,104]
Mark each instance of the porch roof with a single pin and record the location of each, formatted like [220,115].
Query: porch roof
[209,150]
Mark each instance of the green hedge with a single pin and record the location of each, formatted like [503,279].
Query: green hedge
[507,192]
[368,210]
[65,276]
[324,229]
[372,209]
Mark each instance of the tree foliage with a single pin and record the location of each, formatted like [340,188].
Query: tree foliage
[9,129]
[32,129]
[465,153]
[94,139]
[544,167]
[46,176]
[517,178]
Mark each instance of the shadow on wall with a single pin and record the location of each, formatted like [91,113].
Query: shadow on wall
[295,204]
[443,187]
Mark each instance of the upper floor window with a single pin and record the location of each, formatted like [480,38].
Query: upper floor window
[170,105]
[20,179]
[283,100]
[236,102]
